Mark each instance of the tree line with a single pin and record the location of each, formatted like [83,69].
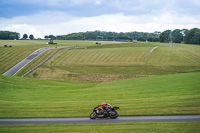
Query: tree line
[110,36]
[8,35]
[181,36]
[177,36]
[25,36]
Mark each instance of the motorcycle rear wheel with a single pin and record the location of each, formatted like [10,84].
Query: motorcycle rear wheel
[93,115]
[114,115]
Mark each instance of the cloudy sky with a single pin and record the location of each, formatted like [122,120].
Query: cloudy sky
[58,17]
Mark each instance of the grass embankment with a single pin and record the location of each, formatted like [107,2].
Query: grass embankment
[10,56]
[148,127]
[176,94]
[118,61]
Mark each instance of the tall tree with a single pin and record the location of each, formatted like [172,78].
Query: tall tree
[164,36]
[31,37]
[193,36]
[197,37]
[46,37]
[177,36]
[52,37]
[25,36]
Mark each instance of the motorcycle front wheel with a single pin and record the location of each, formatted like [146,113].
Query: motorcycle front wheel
[93,115]
[114,115]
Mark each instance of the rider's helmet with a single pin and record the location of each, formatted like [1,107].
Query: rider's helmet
[103,103]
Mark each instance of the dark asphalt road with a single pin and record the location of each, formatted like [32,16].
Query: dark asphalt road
[102,120]
[23,63]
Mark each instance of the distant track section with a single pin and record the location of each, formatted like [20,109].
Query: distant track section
[23,63]
[102,120]
[41,63]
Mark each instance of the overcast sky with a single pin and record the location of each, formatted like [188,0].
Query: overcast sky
[59,17]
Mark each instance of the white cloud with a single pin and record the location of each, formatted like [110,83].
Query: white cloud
[196,3]
[98,2]
[46,17]
[59,23]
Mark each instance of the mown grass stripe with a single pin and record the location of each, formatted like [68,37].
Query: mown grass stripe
[7,53]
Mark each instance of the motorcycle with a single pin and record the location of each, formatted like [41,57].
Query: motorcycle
[102,113]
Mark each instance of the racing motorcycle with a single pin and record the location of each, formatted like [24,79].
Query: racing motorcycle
[102,113]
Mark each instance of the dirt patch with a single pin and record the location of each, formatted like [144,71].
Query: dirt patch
[57,74]
[101,77]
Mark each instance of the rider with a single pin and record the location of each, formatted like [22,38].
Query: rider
[105,106]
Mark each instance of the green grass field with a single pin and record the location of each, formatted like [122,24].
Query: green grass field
[176,94]
[148,127]
[170,85]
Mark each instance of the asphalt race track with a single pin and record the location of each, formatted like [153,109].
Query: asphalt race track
[100,120]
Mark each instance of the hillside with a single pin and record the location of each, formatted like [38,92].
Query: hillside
[120,61]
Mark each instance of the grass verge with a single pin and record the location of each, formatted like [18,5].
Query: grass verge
[150,127]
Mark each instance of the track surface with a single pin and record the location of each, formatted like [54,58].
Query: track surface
[23,63]
[102,120]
